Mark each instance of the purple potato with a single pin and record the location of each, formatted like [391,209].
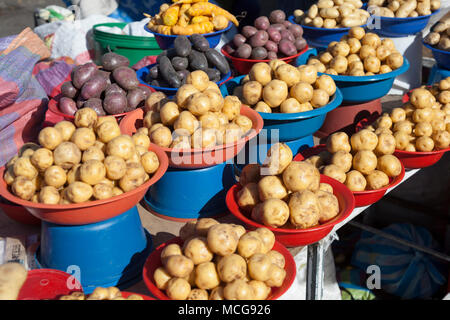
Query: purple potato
[287,24]
[274,34]
[213,74]
[286,34]
[134,98]
[153,72]
[67,106]
[259,39]
[278,26]
[248,31]
[80,102]
[126,78]
[271,46]
[115,103]
[82,74]
[146,90]
[287,48]
[95,104]
[300,44]
[262,23]
[104,74]
[114,87]
[68,90]
[229,49]
[296,30]
[94,87]
[271,55]
[277,16]
[183,73]
[111,61]
[238,40]
[259,53]
[244,51]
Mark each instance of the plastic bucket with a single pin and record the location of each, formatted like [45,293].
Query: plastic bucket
[186,194]
[442,57]
[107,253]
[19,214]
[400,27]
[133,47]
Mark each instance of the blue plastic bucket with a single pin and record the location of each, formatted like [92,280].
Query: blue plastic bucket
[107,253]
[290,126]
[166,41]
[321,37]
[143,72]
[359,89]
[442,57]
[191,194]
[437,74]
[401,27]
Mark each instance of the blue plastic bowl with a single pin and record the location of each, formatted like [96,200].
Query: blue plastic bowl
[321,37]
[185,194]
[442,57]
[437,74]
[401,27]
[107,253]
[166,41]
[359,89]
[290,126]
[143,72]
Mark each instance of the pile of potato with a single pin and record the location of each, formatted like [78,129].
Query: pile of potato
[111,89]
[331,14]
[188,54]
[220,261]
[100,293]
[286,194]
[280,87]
[269,38]
[77,162]
[197,117]
[363,162]
[423,123]
[403,8]
[358,54]
[440,34]
[186,17]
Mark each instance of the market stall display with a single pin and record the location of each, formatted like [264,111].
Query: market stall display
[187,18]
[438,42]
[218,261]
[173,66]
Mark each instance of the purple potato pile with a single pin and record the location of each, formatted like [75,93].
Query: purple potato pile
[109,90]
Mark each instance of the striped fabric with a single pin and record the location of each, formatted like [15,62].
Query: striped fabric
[405,272]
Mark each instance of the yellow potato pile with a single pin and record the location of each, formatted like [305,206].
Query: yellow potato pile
[280,87]
[403,8]
[363,162]
[423,123]
[77,162]
[220,261]
[440,34]
[331,14]
[99,293]
[197,117]
[286,194]
[358,54]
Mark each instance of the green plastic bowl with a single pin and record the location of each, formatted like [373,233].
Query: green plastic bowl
[133,47]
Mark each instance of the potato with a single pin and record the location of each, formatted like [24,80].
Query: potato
[85,117]
[355,181]
[339,63]
[308,74]
[217,294]
[178,265]
[329,205]
[394,60]
[326,83]
[338,141]
[250,173]
[244,122]
[278,158]
[271,187]
[372,64]
[197,250]
[260,290]
[161,136]
[320,98]
[231,107]
[238,290]
[258,267]
[67,154]
[66,129]
[386,144]
[267,237]
[326,187]
[232,267]
[161,278]
[222,239]
[299,176]
[365,161]
[24,167]
[290,105]
[276,258]
[277,276]
[55,176]
[274,212]
[342,159]
[261,106]
[305,209]
[49,138]
[78,192]
[356,32]
[421,98]
[424,144]
[405,126]
[288,73]
[23,187]
[275,92]
[169,113]
[115,167]
[249,244]
[83,138]
[248,197]
[215,98]
[423,129]
[364,140]
[335,172]
[261,72]
[178,289]
[441,139]
[198,104]
[93,153]
[12,277]
[402,139]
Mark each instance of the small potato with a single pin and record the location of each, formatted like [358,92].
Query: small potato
[102,191]
[422,115]
[424,144]
[267,237]
[197,250]
[121,146]
[232,267]
[390,165]
[339,63]
[115,167]
[343,160]
[249,244]
[169,113]
[92,153]
[9,175]
[377,179]
[150,162]
[55,176]
[133,178]
[187,121]
[372,64]
[288,74]
[172,249]
[198,104]
[325,57]
[277,276]
[215,98]
[271,187]
[371,39]
[78,192]
[308,74]
[305,209]
[244,122]
[441,139]
[240,230]
[202,226]
[217,294]
[161,278]
[386,144]
[178,289]
[92,172]
[398,114]
[83,138]
[300,175]
[355,181]
[85,118]
[231,107]
[334,172]
[274,212]
[340,49]
[23,166]
[41,159]
[260,290]
[385,69]
[248,197]
[367,51]
[23,187]
[198,294]
[178,265]
[338,141]
[356,32]
[261,106]
[326,187]
[50,138]
[402,139]
[364,140]
[238,290]
[153,102]
[275,92]
[423,129]
[290,105]
[384,121]
[151,118]
[258,267]
[66,129]
[405,126]
[199,79]
[421,98]
[303,92]
[329,206]
[354,46]
[320,98]
[365,161]
[276,258]
[162,136]
[250,173]
[278,158]
[222,239]
[394,60]
[326,83]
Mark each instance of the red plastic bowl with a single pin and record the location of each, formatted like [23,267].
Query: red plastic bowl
[416,160]
[198,158]
[19,214]
[243,66]
[362,198]
[299,237]
[154,261]
[48,284]
[92,211]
